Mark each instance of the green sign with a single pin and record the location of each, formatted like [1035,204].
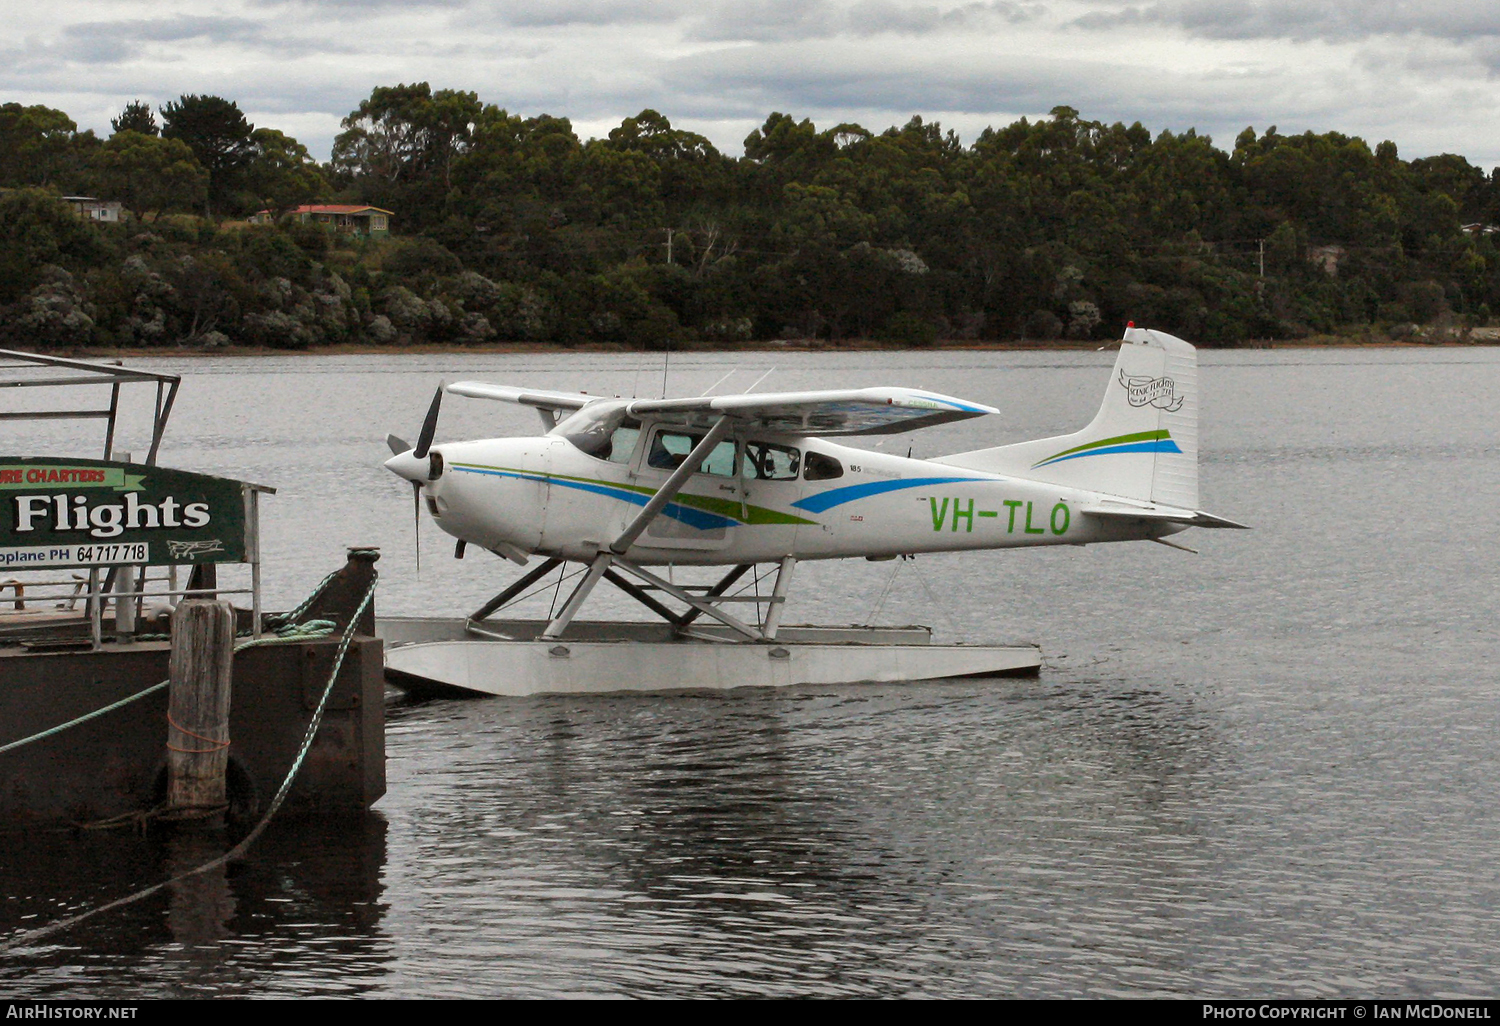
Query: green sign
[81,513]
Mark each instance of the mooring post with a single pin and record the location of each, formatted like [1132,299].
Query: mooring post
[200,670]
[125,604]
[344,592]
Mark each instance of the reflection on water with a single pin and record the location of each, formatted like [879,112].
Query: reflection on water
[298,917]
[829,841]
[1268,769]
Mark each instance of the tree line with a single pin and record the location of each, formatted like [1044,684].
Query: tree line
[512,228]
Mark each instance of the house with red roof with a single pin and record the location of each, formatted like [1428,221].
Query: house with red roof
[351,218]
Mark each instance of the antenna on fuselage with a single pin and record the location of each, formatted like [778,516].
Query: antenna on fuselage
[721,381]
[758,380]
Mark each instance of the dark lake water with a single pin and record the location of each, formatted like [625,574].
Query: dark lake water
[1270,768]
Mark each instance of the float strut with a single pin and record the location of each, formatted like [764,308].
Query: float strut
[525,582]
[597,570]
[640,596]
[778,597]
[718,589]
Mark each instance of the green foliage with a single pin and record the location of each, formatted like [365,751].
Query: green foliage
[136,117]
[147,173]
[402,146]
[909,329]
[38,230]
[40,146]
[280,174]
[219,136]
[511,228]
[415,259]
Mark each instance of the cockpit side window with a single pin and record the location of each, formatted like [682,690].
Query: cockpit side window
[623,442]
[818,467]
[767,461]
[669,448]
[602,430]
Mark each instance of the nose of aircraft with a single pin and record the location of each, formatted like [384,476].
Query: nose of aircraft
[405,465]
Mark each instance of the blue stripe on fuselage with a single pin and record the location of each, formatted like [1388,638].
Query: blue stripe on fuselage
[838,496]
[698,518]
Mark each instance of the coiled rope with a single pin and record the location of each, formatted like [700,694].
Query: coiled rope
[32,936]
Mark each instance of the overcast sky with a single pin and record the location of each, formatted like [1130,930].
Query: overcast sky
[1420,72]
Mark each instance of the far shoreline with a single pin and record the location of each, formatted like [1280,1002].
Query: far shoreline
[791,346]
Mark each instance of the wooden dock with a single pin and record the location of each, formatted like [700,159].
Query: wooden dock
[116,764]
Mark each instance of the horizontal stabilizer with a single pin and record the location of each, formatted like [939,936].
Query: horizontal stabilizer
[1159,514]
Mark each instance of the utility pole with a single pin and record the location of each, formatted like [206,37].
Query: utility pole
[669,245]
[1262,257]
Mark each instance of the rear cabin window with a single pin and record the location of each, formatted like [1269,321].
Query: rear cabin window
[670,448]
[767,461]
[822,468]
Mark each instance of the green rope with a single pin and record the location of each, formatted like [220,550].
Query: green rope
[30,936]
[289,630]
[286,618]
[84,718]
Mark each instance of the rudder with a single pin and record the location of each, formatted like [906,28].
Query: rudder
[1143,442]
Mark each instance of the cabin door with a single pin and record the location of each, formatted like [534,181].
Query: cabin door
[705,513]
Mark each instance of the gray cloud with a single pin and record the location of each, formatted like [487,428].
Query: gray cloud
[1413,71]
[1301,20]
[346,7]
[102,43]
[589,12]
[758,85]
[791,20]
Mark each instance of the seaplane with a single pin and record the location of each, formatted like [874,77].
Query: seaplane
[627,490]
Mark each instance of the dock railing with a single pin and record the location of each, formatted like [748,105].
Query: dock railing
[50,604]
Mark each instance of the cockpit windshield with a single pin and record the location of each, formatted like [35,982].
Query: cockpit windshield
[602,429]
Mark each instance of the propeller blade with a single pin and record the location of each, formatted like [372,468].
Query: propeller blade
[429,426]
[416,515]
[397,445]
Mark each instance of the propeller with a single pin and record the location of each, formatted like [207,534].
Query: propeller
[429,425]
[407,461]
[416,524]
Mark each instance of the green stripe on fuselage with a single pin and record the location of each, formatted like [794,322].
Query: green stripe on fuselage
[1139,436]
[748,514]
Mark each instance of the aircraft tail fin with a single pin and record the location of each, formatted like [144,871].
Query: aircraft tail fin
[1141,445]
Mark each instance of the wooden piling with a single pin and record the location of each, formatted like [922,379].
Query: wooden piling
[200,670]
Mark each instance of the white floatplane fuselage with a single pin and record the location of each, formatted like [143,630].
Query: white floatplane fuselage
[546,496]
[764,482]
[619,485]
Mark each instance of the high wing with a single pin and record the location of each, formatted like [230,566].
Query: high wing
[862,411]
[541,398]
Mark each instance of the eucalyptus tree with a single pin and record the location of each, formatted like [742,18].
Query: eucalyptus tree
[219,136]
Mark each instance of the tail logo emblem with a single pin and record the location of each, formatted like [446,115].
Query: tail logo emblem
[1141,390]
